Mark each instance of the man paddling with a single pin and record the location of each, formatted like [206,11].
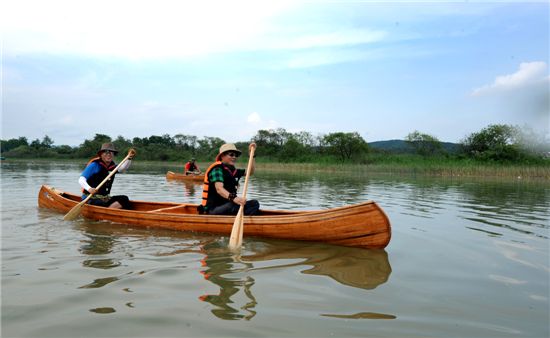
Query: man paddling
[221,180]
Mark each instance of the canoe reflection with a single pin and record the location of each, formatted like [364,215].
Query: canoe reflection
[360,268]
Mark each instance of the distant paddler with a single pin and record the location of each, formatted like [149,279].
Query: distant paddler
[192,168]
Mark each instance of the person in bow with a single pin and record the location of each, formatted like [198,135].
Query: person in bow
[97,169]
[192,168]
[221,180]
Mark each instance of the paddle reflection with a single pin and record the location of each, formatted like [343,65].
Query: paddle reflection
[219,263]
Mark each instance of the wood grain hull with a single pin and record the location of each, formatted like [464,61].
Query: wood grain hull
[361,225]
[170,175]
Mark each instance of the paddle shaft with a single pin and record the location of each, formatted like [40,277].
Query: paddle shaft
[236,238]
[75,211]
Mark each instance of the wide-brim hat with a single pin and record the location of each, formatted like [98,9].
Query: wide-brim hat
[227,147]
[107,146]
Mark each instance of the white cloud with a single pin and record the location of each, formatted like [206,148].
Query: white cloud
[254,118]
[528,74]
[164,28]
[342,37]
[523,97]
[133,29]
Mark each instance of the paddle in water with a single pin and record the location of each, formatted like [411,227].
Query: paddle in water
[75,211]
[236,238]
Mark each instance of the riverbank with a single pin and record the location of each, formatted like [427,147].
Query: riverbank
[419,168]
[440,168]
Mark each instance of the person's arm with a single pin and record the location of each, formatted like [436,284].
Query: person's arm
[125,166]
[128,163]
[227,195]
[84,184]
[91,169]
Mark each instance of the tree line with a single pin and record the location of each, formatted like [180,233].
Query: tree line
[499,143]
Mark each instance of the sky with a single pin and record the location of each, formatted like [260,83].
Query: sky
[73,69]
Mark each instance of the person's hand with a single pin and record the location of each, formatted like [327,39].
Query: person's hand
[132,153]
[92,190]
[239,200]
[251,146]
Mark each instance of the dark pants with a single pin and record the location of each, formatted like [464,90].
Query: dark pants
[122,199]
[251,208]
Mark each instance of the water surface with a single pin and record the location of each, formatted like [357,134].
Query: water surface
[468,257]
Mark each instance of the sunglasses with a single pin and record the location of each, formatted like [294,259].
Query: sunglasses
[107,152]
[232,154]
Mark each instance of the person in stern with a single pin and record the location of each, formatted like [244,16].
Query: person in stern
[221,180]
[97,169]
[192,168]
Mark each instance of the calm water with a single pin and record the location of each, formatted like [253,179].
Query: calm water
[468,258]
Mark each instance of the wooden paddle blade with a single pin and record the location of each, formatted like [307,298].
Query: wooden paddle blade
[236,231]
[74,212]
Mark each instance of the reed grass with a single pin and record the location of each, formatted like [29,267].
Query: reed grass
[428,168]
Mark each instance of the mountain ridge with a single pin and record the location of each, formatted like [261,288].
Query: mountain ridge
[401,146]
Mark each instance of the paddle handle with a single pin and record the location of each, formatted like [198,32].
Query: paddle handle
[248,168]
[236,237]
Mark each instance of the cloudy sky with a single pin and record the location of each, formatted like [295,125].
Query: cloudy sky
[71,69]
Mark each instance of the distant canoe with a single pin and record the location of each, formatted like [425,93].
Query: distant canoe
[170,175]
[362,225]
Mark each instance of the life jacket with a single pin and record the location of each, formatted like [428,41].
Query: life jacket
[98,177]
[190,166]
[230,183]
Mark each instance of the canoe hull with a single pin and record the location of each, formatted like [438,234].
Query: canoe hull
[362,225]
[170,175]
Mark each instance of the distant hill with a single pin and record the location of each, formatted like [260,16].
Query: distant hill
[400,146]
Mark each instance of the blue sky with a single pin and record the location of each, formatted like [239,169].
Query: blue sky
[71,69]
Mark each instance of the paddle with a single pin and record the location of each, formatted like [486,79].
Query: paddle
[75,211]
[236,238]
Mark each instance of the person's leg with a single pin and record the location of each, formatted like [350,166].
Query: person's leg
[252,208]
[119,202]
[228,208]
[97,202]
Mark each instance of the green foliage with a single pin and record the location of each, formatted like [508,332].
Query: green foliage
[496,143]
[501,143]
[345,146]
[13,143]
[424,144]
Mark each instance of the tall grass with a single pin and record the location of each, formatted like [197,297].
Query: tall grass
[410,164]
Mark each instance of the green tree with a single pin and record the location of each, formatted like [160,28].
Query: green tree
[424,144]
[47,142]
[496,142]
[186,142]
[345,145]
[89,148]
[209,146]
[7,145]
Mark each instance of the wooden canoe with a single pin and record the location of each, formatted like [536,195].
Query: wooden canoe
[170,175]
[361,225]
